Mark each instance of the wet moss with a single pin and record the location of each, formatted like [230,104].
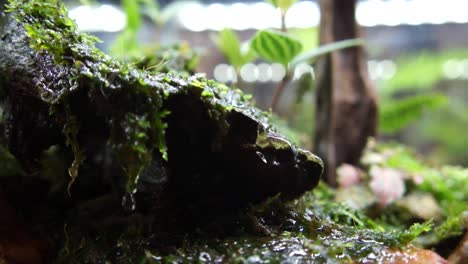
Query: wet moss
[138,128]
[308,230]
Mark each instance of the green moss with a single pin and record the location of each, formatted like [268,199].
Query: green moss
[445,185]
[308,230]
[47,24]
[448,184]
[70,129]
[137,129]
[453,226]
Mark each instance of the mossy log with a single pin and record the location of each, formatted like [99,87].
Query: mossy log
[196,140]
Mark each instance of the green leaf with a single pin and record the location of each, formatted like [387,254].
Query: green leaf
[132,10]
[235,52]
[308,37]
[312,55]
[394,115]
[88,2]
[284,5]
[126,46]
[230,46]
[152,10]
[276,46]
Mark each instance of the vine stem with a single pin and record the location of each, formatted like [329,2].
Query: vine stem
[283,21]
[278,91]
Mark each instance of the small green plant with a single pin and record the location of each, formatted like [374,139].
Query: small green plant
[416,77]
[126,43]
[396,114]
[419,72]
[237,53]
[126,46]
[274,46]
[426,74]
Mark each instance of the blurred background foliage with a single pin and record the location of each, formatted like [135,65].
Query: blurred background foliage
[419,63]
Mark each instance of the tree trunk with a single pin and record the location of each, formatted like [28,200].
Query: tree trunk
[346,113]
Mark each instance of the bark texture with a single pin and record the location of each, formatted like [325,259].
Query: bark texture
[346,113]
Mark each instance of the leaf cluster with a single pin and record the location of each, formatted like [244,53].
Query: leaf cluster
[396,114]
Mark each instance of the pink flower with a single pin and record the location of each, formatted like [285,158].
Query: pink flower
[386,184]
[418,179]
[348,175]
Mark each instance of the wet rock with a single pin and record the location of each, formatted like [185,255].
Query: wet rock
[422,205]
[411,255]
[356,196]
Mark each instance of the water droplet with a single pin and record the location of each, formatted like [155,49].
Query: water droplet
[128,202]
[262,157]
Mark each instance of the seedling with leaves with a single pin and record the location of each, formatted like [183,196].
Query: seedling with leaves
[127,46]
[277,47]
